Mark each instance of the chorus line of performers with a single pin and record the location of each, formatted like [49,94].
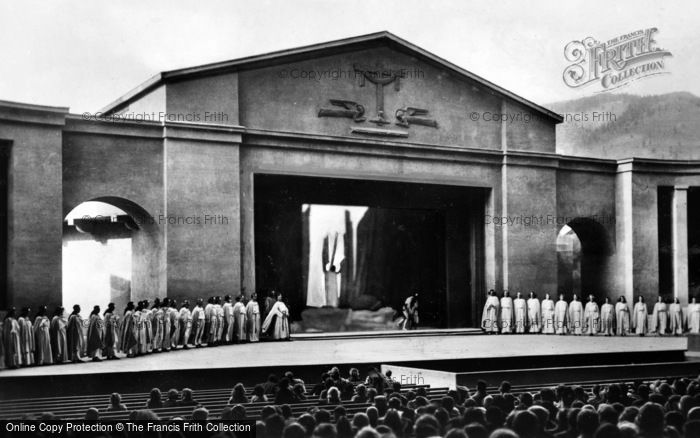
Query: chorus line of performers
[141,329]
[520,315]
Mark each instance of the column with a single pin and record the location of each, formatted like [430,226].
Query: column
[679,241]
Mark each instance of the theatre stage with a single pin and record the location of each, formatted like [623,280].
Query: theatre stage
[399,347]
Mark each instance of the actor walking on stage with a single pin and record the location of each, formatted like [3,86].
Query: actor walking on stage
[591,315]
[489,317]
[675,316]
[42,338]
[59,343]
[520,313]
[277,321]
[607,318]
[506,317]
[252,310]
[74,334]
[548,315]
[622,316]
[95,335]
[185,320]
[198,323]
[111,332]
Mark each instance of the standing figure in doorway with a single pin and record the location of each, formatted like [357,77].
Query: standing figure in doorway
[277,322]
[622,316]
[639,317]
[675,316]
[330,272]
[489,317]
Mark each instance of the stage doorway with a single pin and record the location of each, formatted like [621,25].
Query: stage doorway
[347,253]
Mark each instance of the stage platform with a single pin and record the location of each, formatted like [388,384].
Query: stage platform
[309,356]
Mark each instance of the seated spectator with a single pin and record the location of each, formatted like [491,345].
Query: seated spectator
[172,400]
[354,376]
[325,430]
[200,414]
[187,399]
[154,402]
[284,395]
[92,414]
[238,395]
[299,391]
[294,430]
[259,394]
[115,403]
[238,412]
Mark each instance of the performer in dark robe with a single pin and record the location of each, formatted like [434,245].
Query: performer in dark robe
[253,318]
[277,322]
[95,335]
[111,332]
[59,342]
[11,337]
[239,320]
[74,335]
[26,336]
[489,316]
[42,338]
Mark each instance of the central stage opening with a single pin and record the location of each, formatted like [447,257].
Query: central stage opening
[347,253]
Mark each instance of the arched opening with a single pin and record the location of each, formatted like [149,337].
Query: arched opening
[582,249]
[111,251]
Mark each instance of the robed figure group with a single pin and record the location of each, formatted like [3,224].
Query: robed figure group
[519,315]
[141,329]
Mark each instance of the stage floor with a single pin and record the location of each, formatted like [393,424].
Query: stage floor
[368,350]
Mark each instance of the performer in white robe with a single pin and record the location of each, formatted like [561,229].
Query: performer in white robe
[156,318]
[174,317]
[26,336]
[111,332]
[639,317]
[591,317]
[693,313]
[239,321]
[11,337]
[548,315]
[144,328]
[659,318]
[675,316]
[95,335]
[74,335]
[534,313]
[506,316]
[198,324]
[622,317]
[228,320]
[520,313]
[129,331]
[575,317]
[208,316]
[59,343]
[185,324]
[489,316]
[42,338]
[607,318]
[561,316]
[167,325]
[252,310]
[279,328]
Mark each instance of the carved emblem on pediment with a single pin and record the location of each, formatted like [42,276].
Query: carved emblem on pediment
[380,77]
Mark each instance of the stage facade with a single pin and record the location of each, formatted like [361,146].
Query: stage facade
[347,174]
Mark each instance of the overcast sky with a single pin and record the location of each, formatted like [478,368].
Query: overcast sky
[84,54]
